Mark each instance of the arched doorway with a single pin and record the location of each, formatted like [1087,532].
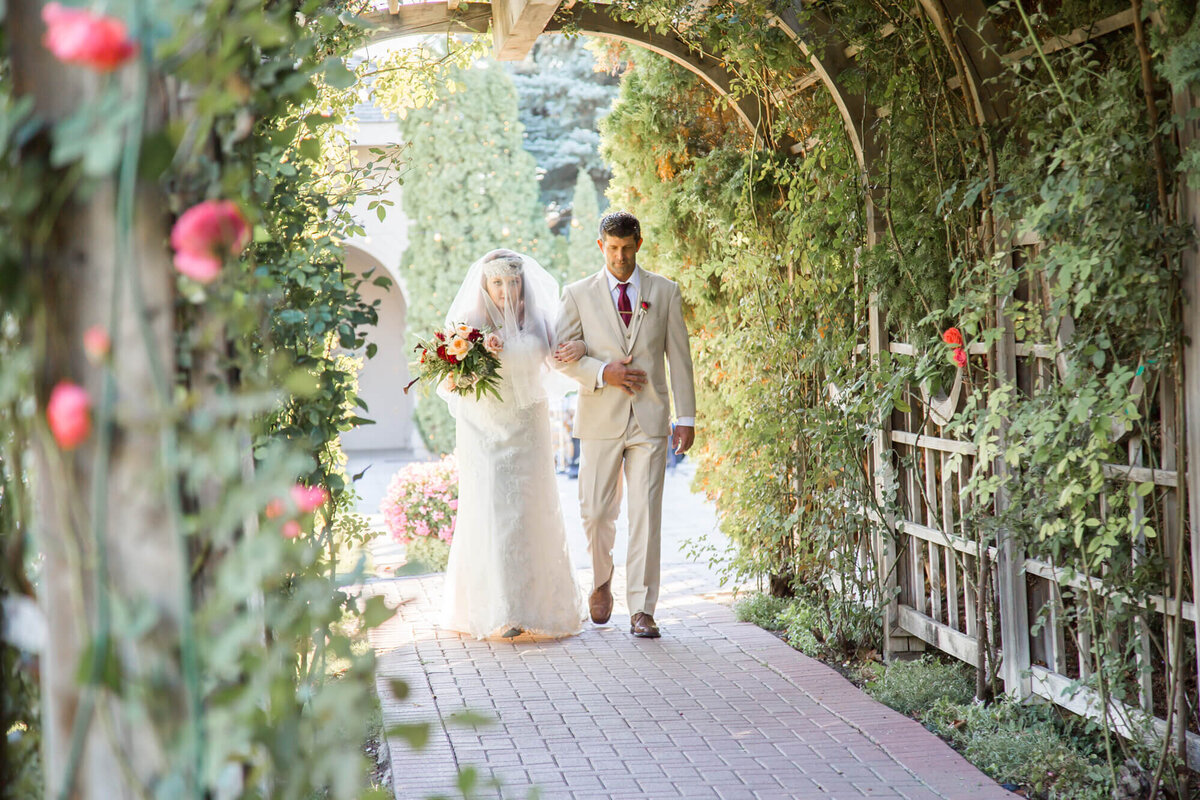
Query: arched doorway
[381,448]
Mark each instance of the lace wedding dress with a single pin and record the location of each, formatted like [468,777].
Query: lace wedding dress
[509,566]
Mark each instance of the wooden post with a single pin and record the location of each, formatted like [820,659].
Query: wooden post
[886,546]
[134,559]
[1010,557]
[1189,212]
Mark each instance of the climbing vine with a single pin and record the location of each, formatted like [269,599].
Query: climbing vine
[1056,205]
[251,680]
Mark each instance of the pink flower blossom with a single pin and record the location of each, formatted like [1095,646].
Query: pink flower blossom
[291,529]
[308,498]
[204,234]
[77,36]
[493,343]
[960,357]
[275,509]
[69,413]
[96,343]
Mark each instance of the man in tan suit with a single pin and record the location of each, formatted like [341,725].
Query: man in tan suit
[631,322]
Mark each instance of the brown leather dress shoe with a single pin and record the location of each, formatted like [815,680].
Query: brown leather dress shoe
[643,626]
[600,604]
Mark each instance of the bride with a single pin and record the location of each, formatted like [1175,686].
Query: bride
[509,570]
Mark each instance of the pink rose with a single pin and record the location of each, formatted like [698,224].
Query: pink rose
[291,529]
[308,498]
[960,357]
[69,413]
[493,343]
[77,36]
[96,343]
[204,234]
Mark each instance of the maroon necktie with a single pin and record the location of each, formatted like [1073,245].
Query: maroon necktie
[623,307]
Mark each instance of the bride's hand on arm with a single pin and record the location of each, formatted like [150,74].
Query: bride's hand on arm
[570,351]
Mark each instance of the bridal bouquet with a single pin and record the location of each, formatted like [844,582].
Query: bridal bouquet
[464,359]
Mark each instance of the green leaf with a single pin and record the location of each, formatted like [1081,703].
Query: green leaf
[399,689]
[415,733]
[1146,488]
[375,612]
[337,76]
[467,780]
[471,719]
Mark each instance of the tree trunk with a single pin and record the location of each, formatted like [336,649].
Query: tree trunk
[108,545]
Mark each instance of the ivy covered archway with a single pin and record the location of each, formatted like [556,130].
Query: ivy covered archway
[936,260]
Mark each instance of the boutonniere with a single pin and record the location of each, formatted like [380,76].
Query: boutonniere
[645,306]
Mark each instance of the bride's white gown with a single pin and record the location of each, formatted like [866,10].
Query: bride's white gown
[509,566]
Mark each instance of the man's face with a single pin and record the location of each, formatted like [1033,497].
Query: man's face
[620,253]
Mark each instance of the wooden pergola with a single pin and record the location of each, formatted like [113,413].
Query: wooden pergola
[930,593]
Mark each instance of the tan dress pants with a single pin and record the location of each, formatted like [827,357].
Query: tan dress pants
[642,460]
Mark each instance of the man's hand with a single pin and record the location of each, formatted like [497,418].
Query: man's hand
[682,438]
[625,378]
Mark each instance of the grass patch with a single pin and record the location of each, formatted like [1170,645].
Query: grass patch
[761,609]
[911,687]
[1025,745]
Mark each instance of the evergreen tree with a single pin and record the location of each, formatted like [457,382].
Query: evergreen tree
[562,98]
[583,256]
[472,188]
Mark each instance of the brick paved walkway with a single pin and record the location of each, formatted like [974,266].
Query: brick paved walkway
[715,709]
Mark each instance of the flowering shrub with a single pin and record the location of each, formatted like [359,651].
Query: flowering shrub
[422,502]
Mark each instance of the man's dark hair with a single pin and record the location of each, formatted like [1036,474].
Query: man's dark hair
[621,224]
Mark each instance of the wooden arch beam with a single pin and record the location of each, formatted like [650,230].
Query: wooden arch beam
[817,39]
[966,30]
[436,18]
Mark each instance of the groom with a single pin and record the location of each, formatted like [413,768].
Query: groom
[632,324]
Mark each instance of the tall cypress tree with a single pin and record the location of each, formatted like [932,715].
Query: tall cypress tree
[472,188]
[583,256]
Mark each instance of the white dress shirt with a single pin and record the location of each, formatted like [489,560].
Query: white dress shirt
[633,291]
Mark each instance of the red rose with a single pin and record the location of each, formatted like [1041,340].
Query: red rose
[69,413]
[443,355]
[204,234]
[474,336]
[960,357]
[78,36]
[953,336]
[645,306]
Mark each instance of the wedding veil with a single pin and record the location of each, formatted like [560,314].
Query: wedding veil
[524,318]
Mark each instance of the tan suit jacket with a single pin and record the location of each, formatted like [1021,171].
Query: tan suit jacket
[656,338]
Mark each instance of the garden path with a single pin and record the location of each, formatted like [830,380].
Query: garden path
[714,709]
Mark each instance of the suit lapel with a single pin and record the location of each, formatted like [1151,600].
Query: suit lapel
[604,296]
[644,303]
